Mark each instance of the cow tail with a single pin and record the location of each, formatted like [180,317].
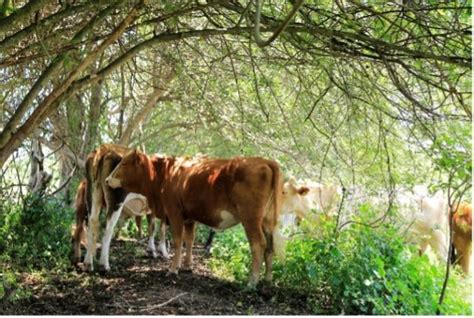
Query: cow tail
[90,184]
[278,238]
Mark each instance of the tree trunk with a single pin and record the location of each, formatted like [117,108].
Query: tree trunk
[15,138]
[157,93]
[21,15]
[39,178]
[92,132]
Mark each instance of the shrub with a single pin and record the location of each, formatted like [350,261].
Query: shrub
[362,270]
[36,234]
[231,254]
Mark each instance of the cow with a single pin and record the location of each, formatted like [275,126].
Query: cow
[78,237]
[219,193]
[307,196]
[99,165]
[134,206]
[425,219]
[79,229]
[462,234]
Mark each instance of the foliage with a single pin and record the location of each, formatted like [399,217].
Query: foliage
[363,270]
[231,254]
[359,93]
[35,234]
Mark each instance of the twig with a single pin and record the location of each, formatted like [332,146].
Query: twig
[162,304]
[258,39]
[451,193]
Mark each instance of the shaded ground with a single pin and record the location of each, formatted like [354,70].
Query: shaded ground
[138,285]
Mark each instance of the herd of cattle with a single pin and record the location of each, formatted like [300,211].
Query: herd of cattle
[221,193]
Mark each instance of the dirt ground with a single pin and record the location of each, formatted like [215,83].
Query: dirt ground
[138,285]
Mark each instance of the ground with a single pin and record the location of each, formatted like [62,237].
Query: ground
[138,285]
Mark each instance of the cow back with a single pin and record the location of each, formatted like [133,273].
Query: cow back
[462,220]
[99,164]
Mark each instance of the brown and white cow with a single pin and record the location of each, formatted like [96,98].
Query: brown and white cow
[462,235]
[99,165]
[134,205]
[78,236]
[217,192]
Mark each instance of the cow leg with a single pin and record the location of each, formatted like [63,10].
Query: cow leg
[438,243]
[76,242]
[138,221]
[107,238]
[189,232]
[463,250]
[423,246]
[120,224]
[268,254]
[177,229]
[210,238]
[465,259]
[162,245]
[93,230]
[257,246]
[151,250]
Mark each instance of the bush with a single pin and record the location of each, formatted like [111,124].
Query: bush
[36,234]
[231,255]
[363,270]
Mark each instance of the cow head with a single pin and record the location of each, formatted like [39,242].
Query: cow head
[296,199]
[129,173]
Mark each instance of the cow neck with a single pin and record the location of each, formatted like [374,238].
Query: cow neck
[157,170]
[162,166]
[150,184]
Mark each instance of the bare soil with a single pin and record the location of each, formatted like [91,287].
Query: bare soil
[138,285]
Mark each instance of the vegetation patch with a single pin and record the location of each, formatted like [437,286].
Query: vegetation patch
[361,270]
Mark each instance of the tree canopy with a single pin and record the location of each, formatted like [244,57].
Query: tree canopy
[334,89]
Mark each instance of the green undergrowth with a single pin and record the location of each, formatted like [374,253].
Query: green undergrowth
[35,234]
[361,270]
[35,241]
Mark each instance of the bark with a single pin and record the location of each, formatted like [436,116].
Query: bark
[21,15]
[43,25]
[49,103]
[66,151]
[50,71]
[158,91]
[125,101]
[39,178]
[94,117]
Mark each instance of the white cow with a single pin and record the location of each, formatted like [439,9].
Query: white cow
[426,219]
[301,198]
[422,218]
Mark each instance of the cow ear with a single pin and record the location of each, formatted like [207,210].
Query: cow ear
[130,157]
[292,180]
[303,190]
[136,156]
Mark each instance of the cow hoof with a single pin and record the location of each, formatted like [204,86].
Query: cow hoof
[79,268]
[266,291]
[151,254]
[252,286]
[76,261]
[188,269]
[172,274]
[103,269]
[88,268]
